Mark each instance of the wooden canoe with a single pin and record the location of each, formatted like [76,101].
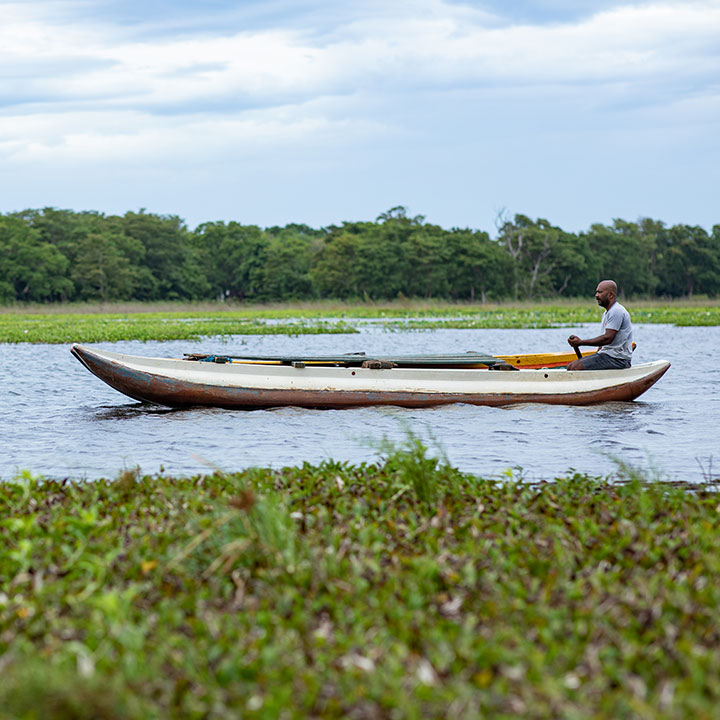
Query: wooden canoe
[185,382]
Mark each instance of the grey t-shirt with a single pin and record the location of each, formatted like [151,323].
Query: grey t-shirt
[618,318]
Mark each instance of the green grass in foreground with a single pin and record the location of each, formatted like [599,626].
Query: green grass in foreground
[405,589]
[192,323]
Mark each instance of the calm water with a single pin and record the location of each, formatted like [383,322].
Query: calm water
[58,420]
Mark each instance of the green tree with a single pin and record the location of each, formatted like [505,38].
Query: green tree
[427,262]
[65,228]
[233,257]
[173,270]
[104,268]
[387,263]
[31,270]
[541,253]
[691,262]
[625,253]
[334,271]
[481,268]
[287,268]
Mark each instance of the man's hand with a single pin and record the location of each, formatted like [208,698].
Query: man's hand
[574,341]
[605,339]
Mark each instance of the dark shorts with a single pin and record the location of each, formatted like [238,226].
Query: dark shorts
[603,361]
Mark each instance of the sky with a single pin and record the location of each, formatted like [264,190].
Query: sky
[269,112]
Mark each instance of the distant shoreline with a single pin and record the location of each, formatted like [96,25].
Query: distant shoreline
[320,307]
[89,323]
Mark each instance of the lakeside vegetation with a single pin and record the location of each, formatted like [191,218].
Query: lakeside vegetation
[399,589]
[51,255]
[109,323]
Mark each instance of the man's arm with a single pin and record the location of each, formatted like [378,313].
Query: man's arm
[605,339]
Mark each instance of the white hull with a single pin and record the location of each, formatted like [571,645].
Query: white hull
[178,382]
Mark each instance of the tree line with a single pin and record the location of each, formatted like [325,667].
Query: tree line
[52,255]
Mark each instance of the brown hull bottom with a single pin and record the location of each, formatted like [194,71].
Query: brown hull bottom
[148,387]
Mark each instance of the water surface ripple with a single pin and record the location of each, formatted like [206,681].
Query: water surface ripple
[58,420]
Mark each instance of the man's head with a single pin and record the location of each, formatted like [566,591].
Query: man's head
[606,293]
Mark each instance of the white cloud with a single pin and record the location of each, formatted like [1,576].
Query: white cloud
[76,90]
[435,45]
[123,138]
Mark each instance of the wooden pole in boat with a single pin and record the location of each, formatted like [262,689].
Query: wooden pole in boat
[578,353]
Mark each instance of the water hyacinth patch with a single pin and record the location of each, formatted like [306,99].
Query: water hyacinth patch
[58,328]
[371,590]
[69,324]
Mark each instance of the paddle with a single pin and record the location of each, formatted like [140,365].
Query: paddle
[576,348]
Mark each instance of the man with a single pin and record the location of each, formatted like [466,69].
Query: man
[615,340]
